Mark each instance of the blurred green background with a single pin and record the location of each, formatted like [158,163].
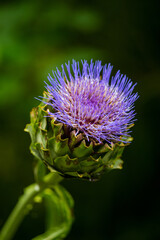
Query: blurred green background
[37,36]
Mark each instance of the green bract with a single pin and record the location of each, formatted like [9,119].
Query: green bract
[63,151]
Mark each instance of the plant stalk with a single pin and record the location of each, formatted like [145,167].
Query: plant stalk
[24,205]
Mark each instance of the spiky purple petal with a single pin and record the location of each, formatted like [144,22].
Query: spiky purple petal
[93,102]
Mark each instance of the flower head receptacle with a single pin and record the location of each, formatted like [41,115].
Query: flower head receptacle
[83,122]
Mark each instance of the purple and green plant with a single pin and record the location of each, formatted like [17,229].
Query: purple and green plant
[79,130]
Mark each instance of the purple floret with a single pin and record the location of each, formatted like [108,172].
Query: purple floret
[92,102]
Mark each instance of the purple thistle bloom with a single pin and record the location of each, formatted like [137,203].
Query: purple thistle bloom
[92,102]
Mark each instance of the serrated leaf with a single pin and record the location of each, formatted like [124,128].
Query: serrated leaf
[41,138]
[66,164]
[107,156]
[31,130]
[115,164]
[75,139]
[58,147]
[101,148]
[57,127]
[83,150]
[34,150]
[90,164]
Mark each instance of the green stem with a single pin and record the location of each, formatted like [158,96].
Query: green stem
[24,205]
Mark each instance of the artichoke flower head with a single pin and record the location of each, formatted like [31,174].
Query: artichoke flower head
[83,121]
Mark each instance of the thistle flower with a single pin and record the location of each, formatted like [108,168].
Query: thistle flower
[89,116]
[92,104]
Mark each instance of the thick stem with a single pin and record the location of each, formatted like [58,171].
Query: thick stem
[24,205]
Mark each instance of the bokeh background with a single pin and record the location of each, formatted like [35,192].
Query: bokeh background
[37,36]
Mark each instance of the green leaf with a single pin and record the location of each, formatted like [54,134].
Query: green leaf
[31,130]
[53,234]
[113,154]
[59,213]
[107,156]
[39,171]
[75,139]
[115,164]
[66,164]
[41,137]
[34,150]
[58,147]
[57,127]
[90,164]
[101,148]
[83,150]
